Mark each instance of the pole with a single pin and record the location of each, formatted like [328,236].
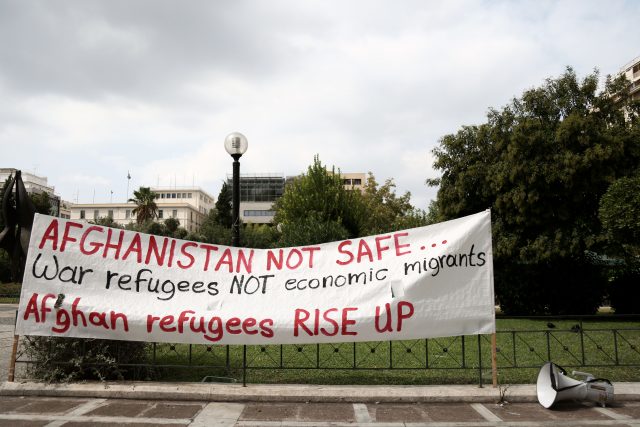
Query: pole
[480,359]
[235,233]
[235,227]
[14,353]
[494,360]
[128,180]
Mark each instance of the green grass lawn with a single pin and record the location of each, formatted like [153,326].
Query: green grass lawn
[9,293]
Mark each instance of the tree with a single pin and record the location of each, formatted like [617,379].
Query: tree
[42,202]
[212,232]
[106,221]
[619,213]
[261,236]
[146,208]
[319,194]
[223,207]
[387,212]
[310,230]
[172,225]
[541,164]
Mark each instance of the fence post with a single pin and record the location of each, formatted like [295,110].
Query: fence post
[480,359]
[12,363]
[14,351]
[615,345]
[494,360]
[244,365]
[582,341]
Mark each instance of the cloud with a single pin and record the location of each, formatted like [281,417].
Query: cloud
[99,88]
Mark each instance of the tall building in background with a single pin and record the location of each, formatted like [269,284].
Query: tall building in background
[35,184]
[189,205]
[258,193]
[632,72]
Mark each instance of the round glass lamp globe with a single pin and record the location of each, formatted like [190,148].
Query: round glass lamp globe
[236,143]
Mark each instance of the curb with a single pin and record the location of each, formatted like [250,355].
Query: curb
[270,393]
[521,393]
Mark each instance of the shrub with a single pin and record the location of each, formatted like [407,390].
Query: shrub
[58,359]
[561,286]
[624,291]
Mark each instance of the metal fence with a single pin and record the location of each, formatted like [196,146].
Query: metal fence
[604,341]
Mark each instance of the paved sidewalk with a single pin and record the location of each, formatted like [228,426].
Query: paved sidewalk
[289,393]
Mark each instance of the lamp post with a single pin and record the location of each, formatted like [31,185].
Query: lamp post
[236,144]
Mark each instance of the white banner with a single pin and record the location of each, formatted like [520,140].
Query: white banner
[85,280]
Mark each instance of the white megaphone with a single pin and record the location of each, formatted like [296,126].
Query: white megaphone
[554,385]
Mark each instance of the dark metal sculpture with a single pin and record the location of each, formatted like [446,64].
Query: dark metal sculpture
[18,212]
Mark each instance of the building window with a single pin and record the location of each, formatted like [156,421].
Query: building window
[256,212]
[357,181]
[110,213]
[160,213]
[82,214]
[179,195]
[96,214]
[173,195]
[174,213]
[162,195]
[190,195]
[127,214]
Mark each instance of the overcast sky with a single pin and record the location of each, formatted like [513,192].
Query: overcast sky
[90,90]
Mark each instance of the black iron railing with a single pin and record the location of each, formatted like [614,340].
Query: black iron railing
[603,341]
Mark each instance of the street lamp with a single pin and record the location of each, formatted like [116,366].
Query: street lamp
[236,144]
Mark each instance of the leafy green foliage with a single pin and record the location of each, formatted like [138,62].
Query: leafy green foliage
[624,292]
[620,217]
[261,236]
[385,211]
[57,359]
[41,202]
[223,207]
[106,221]
[542,164]
[5,267]
[212,232]
[170,228]
[620,213]
[311,230]
[319,193]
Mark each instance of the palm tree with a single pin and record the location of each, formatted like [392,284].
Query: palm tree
[146,207]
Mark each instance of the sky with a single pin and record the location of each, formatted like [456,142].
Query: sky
[92,91]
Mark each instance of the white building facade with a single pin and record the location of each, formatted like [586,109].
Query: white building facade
[189,205]
[632,72]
